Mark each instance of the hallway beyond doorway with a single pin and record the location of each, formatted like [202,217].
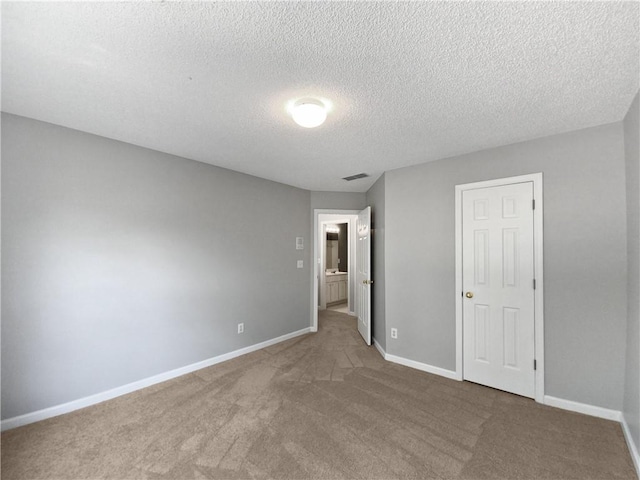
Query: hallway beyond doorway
[341,307]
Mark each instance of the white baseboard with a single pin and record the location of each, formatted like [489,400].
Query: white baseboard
[633,448]
[413,364]
[587,409]
[380,349]
[54,411]
[422,366]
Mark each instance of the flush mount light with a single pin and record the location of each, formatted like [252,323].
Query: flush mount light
[309,112]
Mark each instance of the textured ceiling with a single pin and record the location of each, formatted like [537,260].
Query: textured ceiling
[409,82]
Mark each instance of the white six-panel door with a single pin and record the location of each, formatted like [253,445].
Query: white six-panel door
[498,290]
[363,276]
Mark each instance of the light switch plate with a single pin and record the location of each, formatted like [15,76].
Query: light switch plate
[299,243]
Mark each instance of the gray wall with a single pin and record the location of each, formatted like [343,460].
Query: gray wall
[584,248]
[120,263]
[631,408]
[343,247]
[337,201]
[376,199]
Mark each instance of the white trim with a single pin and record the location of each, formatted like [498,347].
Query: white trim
[422,366]
[132,387]
[380,349]
[538,269]
[316,255]
[538,238]
[443,372]
[458,247]
[322,239]
[633,448]
[584,408]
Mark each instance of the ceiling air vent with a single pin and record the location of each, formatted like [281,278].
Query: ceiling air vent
[356,177]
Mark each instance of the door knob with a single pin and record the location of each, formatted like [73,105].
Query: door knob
[367,282]
[469,294]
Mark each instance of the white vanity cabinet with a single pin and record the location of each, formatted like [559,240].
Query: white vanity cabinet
[342,288]
[336,287]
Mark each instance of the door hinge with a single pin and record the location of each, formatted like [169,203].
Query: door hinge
[534,283]
[535,364]
[533,204]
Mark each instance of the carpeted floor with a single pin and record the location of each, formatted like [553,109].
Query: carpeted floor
[320,406]
[341,307]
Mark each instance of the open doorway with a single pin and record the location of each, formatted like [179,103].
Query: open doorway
[334,267]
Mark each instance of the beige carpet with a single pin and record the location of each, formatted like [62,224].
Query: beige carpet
[320,406]
[340,307]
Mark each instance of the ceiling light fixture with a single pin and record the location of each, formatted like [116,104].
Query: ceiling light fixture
[309,112]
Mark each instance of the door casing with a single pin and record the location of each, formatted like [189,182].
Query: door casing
[536,178]
[321,216]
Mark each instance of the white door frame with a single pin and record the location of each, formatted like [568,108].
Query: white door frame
[329,216]
[536,178]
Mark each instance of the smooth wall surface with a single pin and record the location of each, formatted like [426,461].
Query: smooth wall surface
[631,408]
[584,257]
[338,201]
[343,247]
[120,263]
[376,199]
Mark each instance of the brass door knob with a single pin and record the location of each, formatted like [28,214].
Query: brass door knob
[469,294]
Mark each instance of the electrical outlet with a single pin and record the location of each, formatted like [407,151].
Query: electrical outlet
[394,333]
[300,263]
[241,328]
